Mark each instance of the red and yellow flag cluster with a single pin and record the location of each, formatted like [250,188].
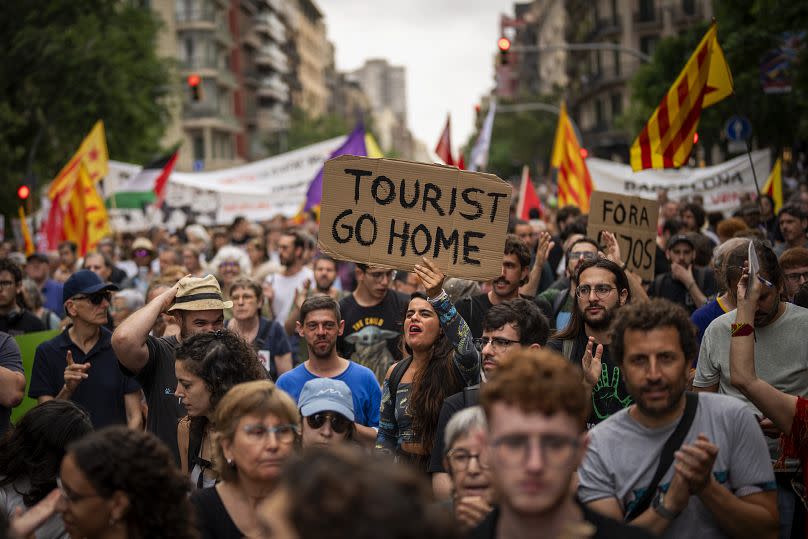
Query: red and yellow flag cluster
[574,182]
[77,210]
[667,139]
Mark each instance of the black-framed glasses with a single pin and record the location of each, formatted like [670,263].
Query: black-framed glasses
[95,299]
[586,255]
[500,343]
[601,291]
[284,434]
[459,459]
[70,496]
[514,449]
[339,424]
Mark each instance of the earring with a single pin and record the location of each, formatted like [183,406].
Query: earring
[229,462]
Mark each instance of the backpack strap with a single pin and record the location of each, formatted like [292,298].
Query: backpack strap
[397,374]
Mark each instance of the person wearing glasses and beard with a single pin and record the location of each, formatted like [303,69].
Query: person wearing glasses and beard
[79,364]
[601,290]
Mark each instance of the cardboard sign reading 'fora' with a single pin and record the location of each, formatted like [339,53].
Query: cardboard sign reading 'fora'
[390,213]
[633,221]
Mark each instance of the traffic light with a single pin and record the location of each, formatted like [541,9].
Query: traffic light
[504,45]
[23,192]
[194,83]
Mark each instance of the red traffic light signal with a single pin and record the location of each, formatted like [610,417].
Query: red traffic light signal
[23,192]
[194,82]
[504,45]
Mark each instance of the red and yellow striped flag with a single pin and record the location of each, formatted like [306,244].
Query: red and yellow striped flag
[26,234]
[85,221]
[667,139]
[574,182]
[92,153]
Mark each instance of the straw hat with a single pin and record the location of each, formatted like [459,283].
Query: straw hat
[143,243]
[199,294]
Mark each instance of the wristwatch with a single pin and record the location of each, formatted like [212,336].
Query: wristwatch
[659,506]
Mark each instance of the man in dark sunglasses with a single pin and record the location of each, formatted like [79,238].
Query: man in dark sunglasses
[326,406]
[80,364]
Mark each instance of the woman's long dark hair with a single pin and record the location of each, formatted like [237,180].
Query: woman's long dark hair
[138,464]
[32,450]
[430,387]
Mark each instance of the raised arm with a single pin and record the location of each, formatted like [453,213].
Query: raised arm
[776,405]
[534,278]
[129,339]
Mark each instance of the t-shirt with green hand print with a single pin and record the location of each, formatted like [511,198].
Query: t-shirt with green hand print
[609,395]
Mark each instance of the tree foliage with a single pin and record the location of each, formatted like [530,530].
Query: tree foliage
[67,65]
[747,29]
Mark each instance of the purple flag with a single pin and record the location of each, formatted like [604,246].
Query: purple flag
[354,145]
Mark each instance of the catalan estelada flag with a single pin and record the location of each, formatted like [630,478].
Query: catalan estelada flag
[774,186]
[93,153]
[667,139]
[574,182]
[85,220]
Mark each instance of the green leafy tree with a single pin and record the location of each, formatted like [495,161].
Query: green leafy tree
[65,66]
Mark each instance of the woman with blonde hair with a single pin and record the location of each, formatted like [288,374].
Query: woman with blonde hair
[257,429]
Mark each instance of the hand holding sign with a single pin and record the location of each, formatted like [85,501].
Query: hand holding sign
[431,277]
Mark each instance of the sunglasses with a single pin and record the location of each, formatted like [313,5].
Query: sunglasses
[95,299]
[339,424]
[142,252]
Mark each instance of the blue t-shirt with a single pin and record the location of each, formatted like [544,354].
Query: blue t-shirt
[704,315]
[101,393]
[52,292]
[367,395]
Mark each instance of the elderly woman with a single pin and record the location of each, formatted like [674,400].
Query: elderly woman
[328,412]
[257,430]
[266,336]
[229,264]
[464,460]
[124,303]
[32,295]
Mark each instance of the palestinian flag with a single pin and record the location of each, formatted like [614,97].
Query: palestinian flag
[147,187]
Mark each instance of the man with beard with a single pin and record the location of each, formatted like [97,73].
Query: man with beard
[515,272]
[319,324]
[291,250]
[716,482]
[686,284]
[325,274]
[602,289]
[197,307]
[536,410]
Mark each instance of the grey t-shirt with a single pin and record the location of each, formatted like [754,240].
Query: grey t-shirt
[10,499]
[623,456]
[781,354]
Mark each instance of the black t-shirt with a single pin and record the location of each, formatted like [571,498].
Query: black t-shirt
[20,322]
[451,405]
[473,310]
[605,528]
[665,286]
[372,334]
[159,381]
[609,395]
[213,520]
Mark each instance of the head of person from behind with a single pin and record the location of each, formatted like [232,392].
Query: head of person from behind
[373,282]
[319,324]
[465,458]
[654,344]
[87,298]
[199,305]
[536,410]
[769,306]
[118,482]
[32,450]
[258,429]
[208,365]
[515,268]
[510,326]
[247,297]
[326,406]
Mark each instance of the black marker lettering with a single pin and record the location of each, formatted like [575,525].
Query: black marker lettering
[416,192]
[427,236]
[359,236]
[472,202]
[443,242]
[468,248]
[357,179]
[404,235]
[496,197]
[432,194]
[377,185]
[348,228]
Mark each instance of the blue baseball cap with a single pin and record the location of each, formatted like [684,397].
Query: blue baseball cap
[326,395]
[84,282]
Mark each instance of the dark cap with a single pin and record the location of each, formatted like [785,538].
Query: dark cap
[84,282]
[681,238]
[38,257]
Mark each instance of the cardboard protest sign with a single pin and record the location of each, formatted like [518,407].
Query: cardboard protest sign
[633,221]
[391,213]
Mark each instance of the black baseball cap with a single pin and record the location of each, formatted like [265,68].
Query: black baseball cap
[681,238]
[38,257]
[84,282]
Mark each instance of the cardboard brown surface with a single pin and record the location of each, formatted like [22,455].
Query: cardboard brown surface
[633,221]
[456,217]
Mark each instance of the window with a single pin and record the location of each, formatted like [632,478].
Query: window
[617,105]
[648,44]
[615,14]
[199,147]
[600,120]
[689,7]
[189,51]
[616,58]
[647,11]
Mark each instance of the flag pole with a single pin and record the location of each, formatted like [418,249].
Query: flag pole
[748,147]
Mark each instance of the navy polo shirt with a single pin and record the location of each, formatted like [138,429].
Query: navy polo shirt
[101,393]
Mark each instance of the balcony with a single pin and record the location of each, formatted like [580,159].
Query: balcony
[210,68]
[270,25]
[272,118]
[223,36]
[197,19]
[206,114]
[252,39]
[271,55]
[274,87]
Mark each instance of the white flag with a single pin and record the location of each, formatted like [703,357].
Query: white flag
[479,154]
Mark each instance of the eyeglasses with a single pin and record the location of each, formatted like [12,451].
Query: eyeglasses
[95,299]
[459,459]
[7,284]
[284,434]
[793,277]
[586,255]
[499,343]
[70,496]
[339,424]
[601,291]
[142,252]
[229,264]
[514,450]
[380,275]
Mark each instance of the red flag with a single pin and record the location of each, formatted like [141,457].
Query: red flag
[528,199]
[461,162]
[444,147]
[162,180]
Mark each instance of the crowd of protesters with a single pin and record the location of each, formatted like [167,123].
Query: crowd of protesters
[236,382]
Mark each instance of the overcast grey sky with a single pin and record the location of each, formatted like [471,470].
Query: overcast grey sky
[447,46]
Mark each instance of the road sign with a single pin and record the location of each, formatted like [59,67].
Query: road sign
[738,128]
